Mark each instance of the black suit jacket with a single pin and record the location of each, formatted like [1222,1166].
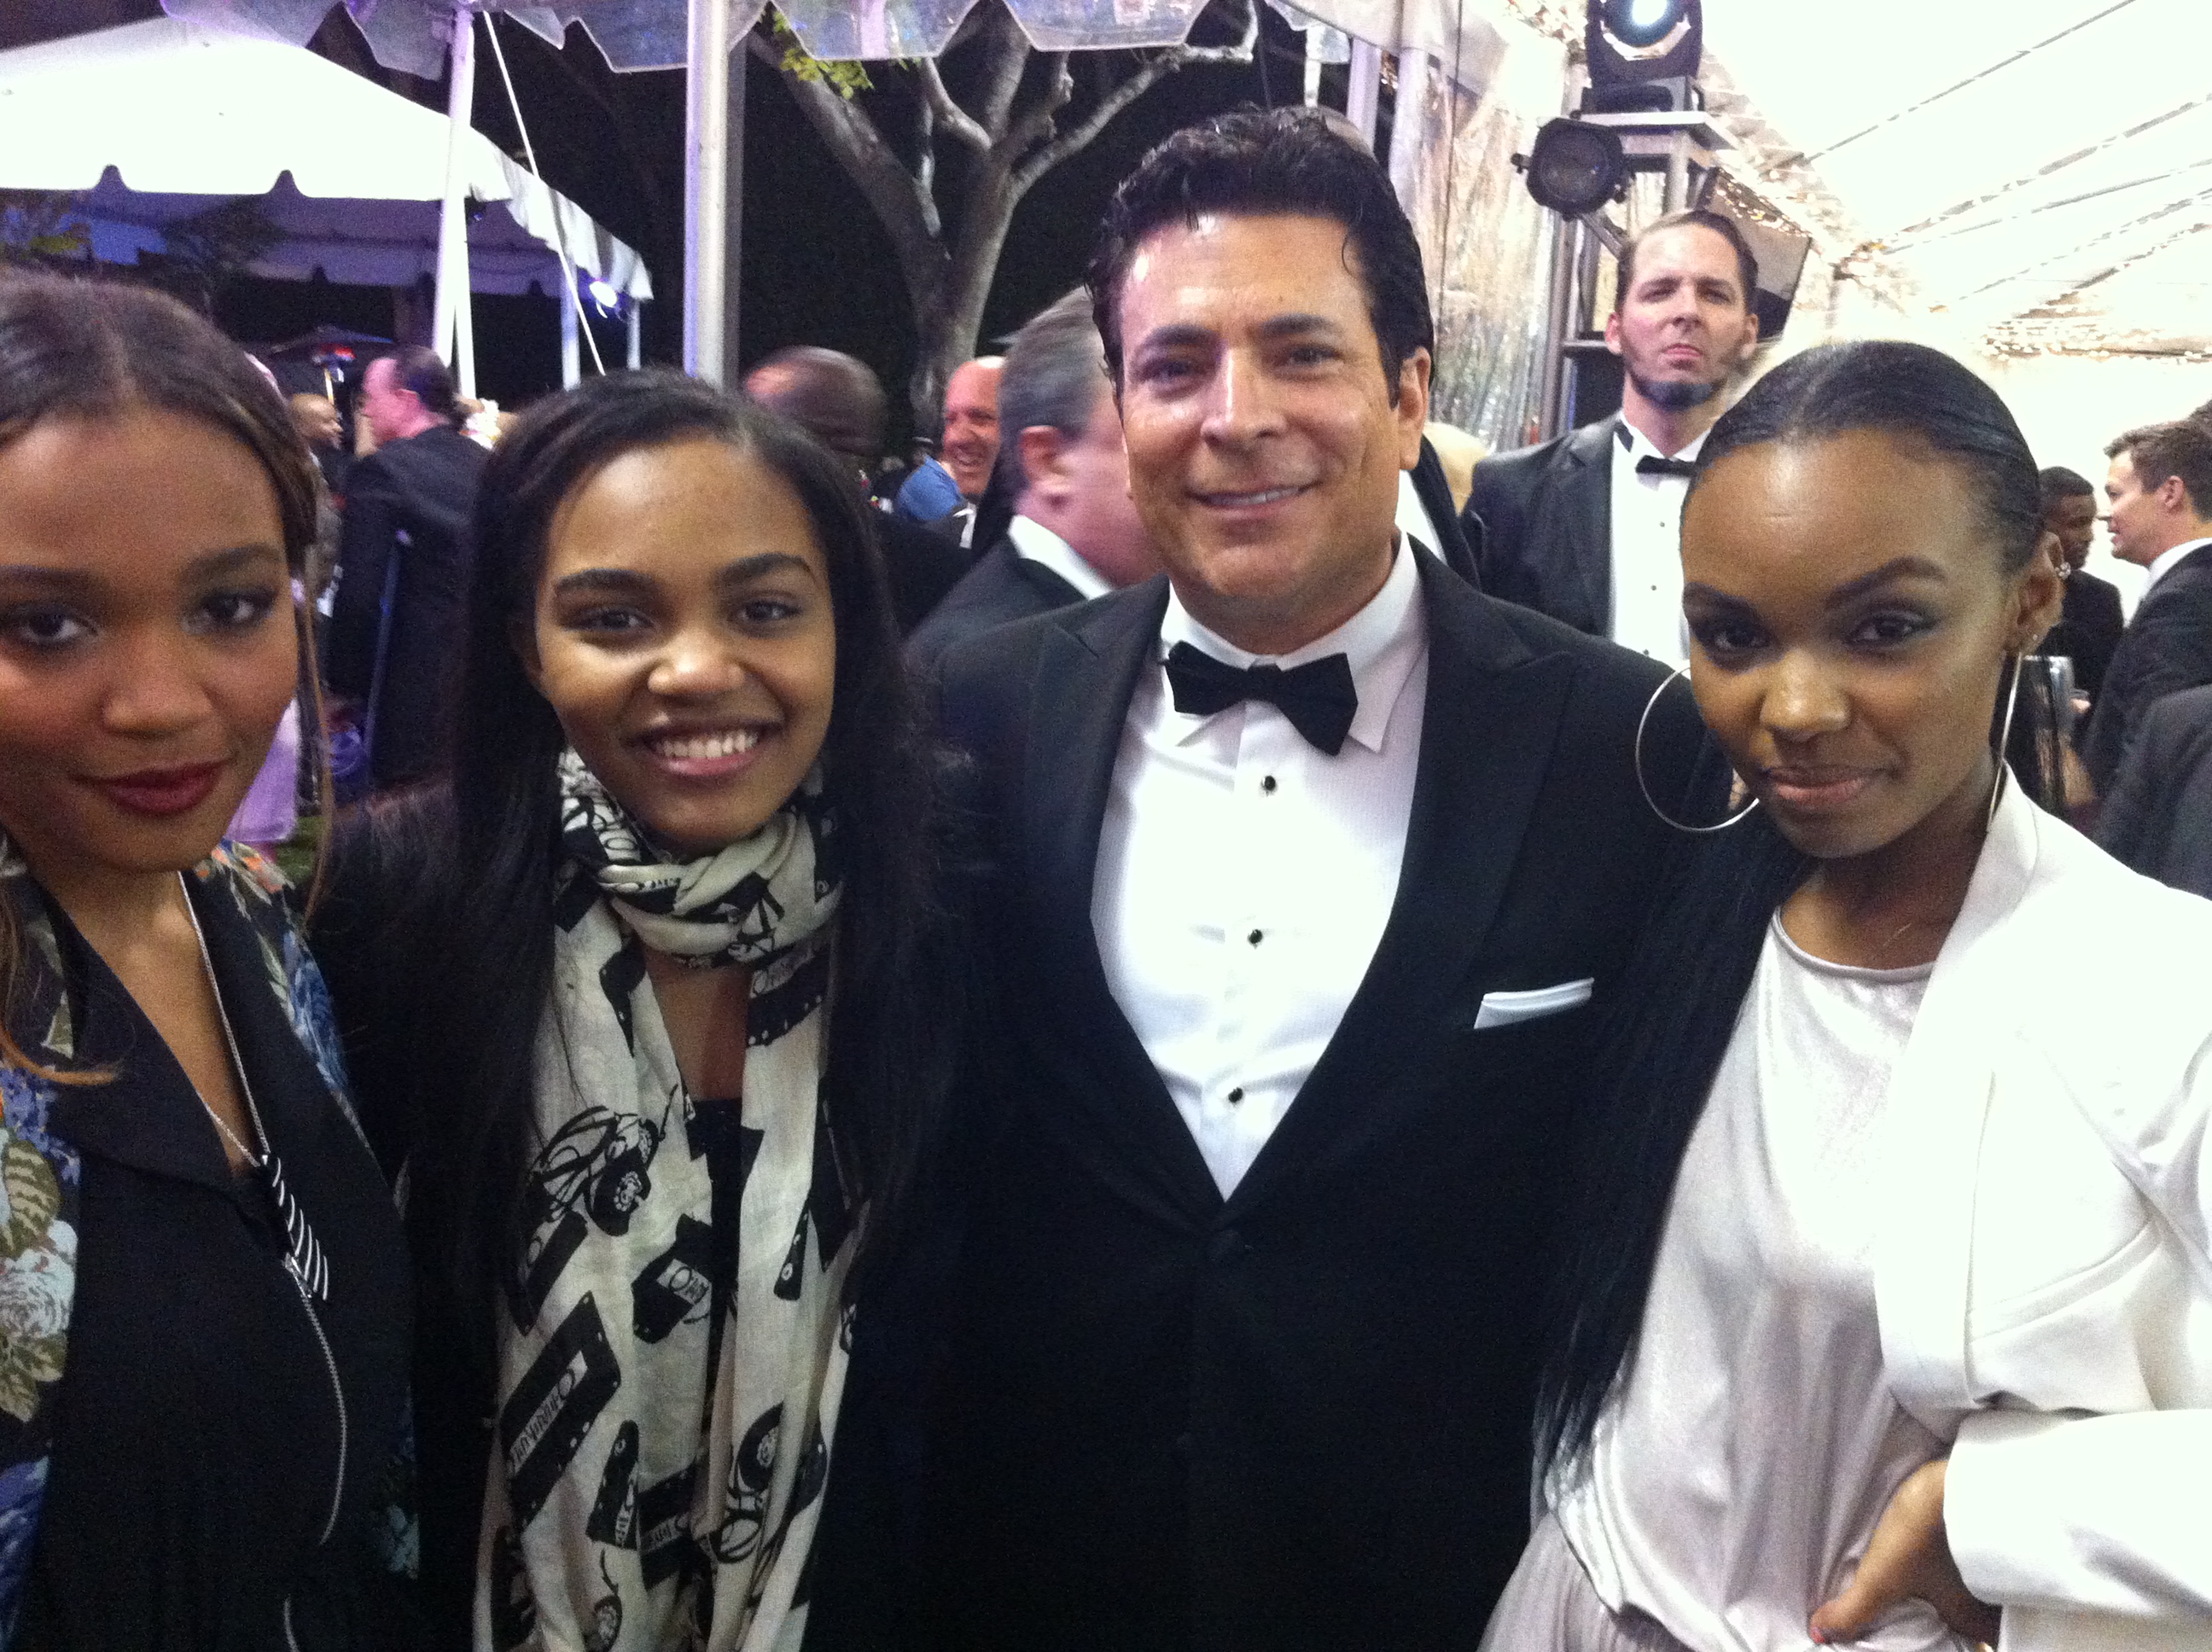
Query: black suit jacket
[2158,817]
[1298,1417]
[1433,489]
[1540,521]
[1003,586]
[2088,631]
[923,568]
[2166,647]
[411,499]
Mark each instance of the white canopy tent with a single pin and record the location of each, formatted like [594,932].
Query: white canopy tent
[154,122]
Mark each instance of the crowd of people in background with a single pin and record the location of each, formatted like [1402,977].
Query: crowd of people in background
[1206,1020]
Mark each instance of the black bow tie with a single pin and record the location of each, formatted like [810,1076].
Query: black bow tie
[1318,698]
[1652,465]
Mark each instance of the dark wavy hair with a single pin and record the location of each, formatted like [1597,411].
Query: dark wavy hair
[465,872]
[1693,966]
[94,350]
[1271,160]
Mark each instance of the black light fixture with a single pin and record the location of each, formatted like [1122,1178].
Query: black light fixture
[1643,55]
[1574,168]
[1641,23]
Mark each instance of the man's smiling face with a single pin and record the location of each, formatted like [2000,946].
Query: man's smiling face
[1265,441]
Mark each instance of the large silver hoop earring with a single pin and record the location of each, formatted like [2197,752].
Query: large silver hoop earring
[2004,740]
[1636,759]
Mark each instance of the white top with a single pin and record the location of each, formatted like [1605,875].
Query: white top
[1244,877]
[1735,1477]
[1647,550]
[1413,516]
[1035,543]
[2163,564]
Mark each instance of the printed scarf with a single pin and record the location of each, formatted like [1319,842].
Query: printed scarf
[668,1382]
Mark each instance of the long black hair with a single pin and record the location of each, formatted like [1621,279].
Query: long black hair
[1679,1000]
[466,872]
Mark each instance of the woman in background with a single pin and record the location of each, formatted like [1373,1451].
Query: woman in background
[653,1001]
[1890,1301]
[202,1281]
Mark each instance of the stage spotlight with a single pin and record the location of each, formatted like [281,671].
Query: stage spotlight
[604,295]
[1574,167]
[1642,23]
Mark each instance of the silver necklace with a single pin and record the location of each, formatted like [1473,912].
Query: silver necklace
[303,1252]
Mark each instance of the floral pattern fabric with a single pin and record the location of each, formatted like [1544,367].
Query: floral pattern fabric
[41,1174]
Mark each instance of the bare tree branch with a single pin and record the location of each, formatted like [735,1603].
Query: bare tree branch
[907,211]
[955,119]
[1155,69]
[1004,76]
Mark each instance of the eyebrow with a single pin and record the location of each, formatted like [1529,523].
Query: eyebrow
[622,581]
[214,565]
[1897,568]
[1177,335]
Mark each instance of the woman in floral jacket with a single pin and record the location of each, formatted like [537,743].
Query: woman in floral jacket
[203,1287]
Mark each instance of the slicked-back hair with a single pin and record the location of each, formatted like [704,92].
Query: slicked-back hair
[1676,1007]
[1909,391]
[1747,261]
[1054,370]
[477,935]
[421,369]
[834,396]
[1253,162]
[2183,448]
[2058,483]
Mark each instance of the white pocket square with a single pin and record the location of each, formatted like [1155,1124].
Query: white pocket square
[1504,1008]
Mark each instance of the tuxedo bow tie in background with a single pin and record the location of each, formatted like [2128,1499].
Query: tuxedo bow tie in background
[1318,697]
[1652,465]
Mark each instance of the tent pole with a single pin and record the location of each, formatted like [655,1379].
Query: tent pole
[572,364]
[706,186]
[637,334]
[1409,125]
[451,326]
[1362,87]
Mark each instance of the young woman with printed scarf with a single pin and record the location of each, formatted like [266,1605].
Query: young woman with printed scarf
[203,1279]
[653,1002]
[1887,1319]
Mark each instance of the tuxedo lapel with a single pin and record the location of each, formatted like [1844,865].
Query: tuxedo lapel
[1581,514]
[1493,706]
[1087,670]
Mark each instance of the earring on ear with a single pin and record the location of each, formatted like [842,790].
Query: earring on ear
[2004,738]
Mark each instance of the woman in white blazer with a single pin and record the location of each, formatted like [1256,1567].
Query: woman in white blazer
[1887,1319]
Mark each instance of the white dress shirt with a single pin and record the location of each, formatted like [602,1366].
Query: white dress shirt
[1244,878]
[1647,551]
[1414,520]
[1035,543]
[2163,565]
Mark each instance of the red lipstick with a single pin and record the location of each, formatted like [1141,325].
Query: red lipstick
[161,793]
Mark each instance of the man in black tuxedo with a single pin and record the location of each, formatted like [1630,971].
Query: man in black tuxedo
[404,558]
[1074,534]
[2158,494]
[1586,527]
[2159,817]
[2089,628]
[1311,867]
[838,400]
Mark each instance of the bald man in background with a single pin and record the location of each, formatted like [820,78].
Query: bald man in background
[838,400]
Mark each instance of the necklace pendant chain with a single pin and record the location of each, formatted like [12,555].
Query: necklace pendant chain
[303,1252]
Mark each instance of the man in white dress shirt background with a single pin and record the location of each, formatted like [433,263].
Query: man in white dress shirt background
[1310,871]
[1075,534]
[1587,527]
